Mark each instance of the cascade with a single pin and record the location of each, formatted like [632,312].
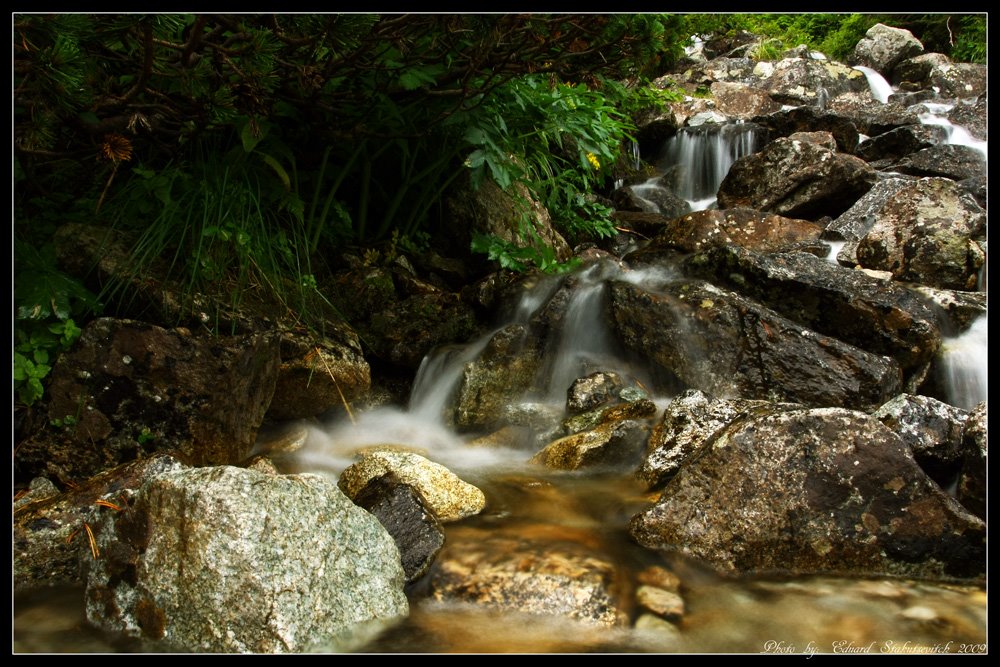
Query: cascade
[956,135]
[964,370]
[881,90]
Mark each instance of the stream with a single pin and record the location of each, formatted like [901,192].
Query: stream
[538,507]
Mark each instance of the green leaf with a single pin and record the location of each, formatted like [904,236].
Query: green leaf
[249,139]
[278,169]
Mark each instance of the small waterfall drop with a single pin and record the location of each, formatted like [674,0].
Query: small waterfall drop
[964,369]
[881,90]
[696,160]
[956,135]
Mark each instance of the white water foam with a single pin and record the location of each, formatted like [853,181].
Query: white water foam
[964,365]
[881,89]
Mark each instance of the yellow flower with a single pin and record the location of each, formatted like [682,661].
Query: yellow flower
[592,159]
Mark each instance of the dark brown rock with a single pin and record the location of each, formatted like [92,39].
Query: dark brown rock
[972,480]
[823,490]
[954,162]
[931,429]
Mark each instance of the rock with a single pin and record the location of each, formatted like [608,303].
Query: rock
[931,429]
[736,100]
[972,480]
[611,444]
[318,373]
[646,224]
[954,162]
[821,490]
[653,132]
[872,118]
[866,312]
[721,45]
[977,187]
[724,344]
[50,542]
[812,82]
[589,392]
[796,180]
[883,47]
[649,198]
[852,225]
[490,210]
[501,375]
[546,575]
[935,71]
[973,117]
[408,330]
[710,117]
[962,308]
[541,419]
[638,407]
[447,496]
[665,604]
[811,119]
[901,141]
[222,559]
[401,511]
[656,576]
[134,389]
[926,233]
[745,227]
[689,422]
[821,138]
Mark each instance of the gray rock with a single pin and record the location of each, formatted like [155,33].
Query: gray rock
[926,233]
[743,102]
[135,389]
[954,162]
[727,345]
[883,47]
[402,512]
[796,180]
[611,444]
[931,429]
[223,559]
[972,480]
[871,314]
[901,141]
[852,225]
[934,71]
[797,81]
[973,117]
[50,542]
[639,407]
[961,307]
[589,392]
[822,490]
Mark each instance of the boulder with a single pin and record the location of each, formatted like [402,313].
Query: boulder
[852,225]
[972,479]
[811,119]
[819,490]
[973,117]
[223,559]
[931,429]
[935,71]
[883,47]
[727,345]
[800,82]
[796,180]
[594,390]
[650,197]
[736,100]
[952,161]
[128,389]
[872,314]
[616,439]
[900,142]
[926,233]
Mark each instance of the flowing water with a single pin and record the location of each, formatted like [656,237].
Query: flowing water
[881,89]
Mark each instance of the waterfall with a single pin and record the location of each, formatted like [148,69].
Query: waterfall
[835,248]
[963,361]
[697,159]
[956,135]
[881,90]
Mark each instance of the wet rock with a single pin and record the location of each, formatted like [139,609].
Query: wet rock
[654,131]
[610,444]
[883,47]
[812,82]
[866,312]
[665,604]
[407,331]
[743,102]
[822,490]
[973,117]
[796,180]
[977,187]
[852,225]
[872,118]
[541,419]
[318,373]
[900,141]
[649,198]
[962,308]
[689,422]
[724,344]
[954,162]
[637,407]
[222,559]
[935,71]
[931,429]
[811,119]
[745,227]
[500,376]
[820,138]
[589,392]
[543,575]
[133,389]
[401,510]
[447,496]
[50,543]
[926,233]
[972,480]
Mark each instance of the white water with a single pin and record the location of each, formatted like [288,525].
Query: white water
[964,365]
[697,160]
[956,135]
[835,248]
[881,90]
